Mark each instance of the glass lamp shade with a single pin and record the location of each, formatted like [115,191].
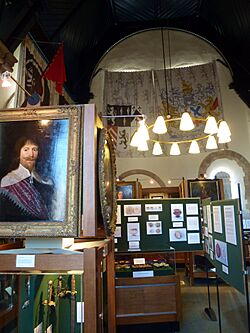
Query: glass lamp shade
[194,148]
[135,140]
[223,130]
[186,123]
[5,76]
[224,139]
[142,130]
[157,149]
[143,145]
[160,126]
[211,143]
[6,83]
[175,150]
[211,126]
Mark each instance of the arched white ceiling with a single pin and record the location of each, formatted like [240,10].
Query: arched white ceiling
[143,51]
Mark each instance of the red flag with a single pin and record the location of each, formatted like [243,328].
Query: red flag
[56,70]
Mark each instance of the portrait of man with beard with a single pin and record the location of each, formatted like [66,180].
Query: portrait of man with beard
[24,194]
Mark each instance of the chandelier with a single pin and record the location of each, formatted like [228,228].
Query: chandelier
[215,131]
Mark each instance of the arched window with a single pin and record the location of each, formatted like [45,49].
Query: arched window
[226,183]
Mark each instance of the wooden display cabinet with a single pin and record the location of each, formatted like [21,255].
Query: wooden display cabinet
[93,259]
[160,294]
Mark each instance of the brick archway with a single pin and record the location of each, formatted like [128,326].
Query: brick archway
[142,172]
[231,155]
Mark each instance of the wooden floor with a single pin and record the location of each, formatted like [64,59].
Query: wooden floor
[194,319]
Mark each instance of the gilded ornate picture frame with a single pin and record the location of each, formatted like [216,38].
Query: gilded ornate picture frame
[40,171]
[107,181]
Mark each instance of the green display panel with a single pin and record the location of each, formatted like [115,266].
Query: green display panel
[223,240]
[157,224]
[48,305]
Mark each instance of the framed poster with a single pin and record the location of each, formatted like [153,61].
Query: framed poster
[107,181]
[207,188]
[40,171]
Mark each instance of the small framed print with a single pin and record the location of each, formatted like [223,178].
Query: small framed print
[133,231]
[132,210]
[153,207]
[178,235]
[177,212]
[154,228]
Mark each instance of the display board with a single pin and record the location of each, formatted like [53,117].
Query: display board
[157,224]
[223,240]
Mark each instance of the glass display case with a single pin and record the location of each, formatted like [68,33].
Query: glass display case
[51,303]
[53,290]
[145,264]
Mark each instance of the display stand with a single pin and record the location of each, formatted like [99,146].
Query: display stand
[245,263]
[218,304]
[209,311]
[93,258]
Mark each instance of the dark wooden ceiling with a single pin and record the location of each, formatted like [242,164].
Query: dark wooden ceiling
[89,28]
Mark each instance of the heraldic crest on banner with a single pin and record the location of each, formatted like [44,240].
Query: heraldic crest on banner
[194,89]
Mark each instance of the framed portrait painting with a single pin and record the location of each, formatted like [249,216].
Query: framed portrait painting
[40,171]
[207,188]
[128,190]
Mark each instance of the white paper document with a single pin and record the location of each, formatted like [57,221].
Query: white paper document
[225,269]
[118,232]
[177,224]
[153,217]
[217,219]
[153,207]
[194,238]
[118,215]
[192,223]
[25,260]
[209,220]
[139,261]
[80,312]
[132,218]
[192,209]
[134,245]
[230,225]
[133,231]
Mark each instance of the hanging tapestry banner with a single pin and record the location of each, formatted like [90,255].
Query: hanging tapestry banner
[31,68]
[194,89]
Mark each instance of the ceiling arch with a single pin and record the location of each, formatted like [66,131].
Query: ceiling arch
[142,172]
